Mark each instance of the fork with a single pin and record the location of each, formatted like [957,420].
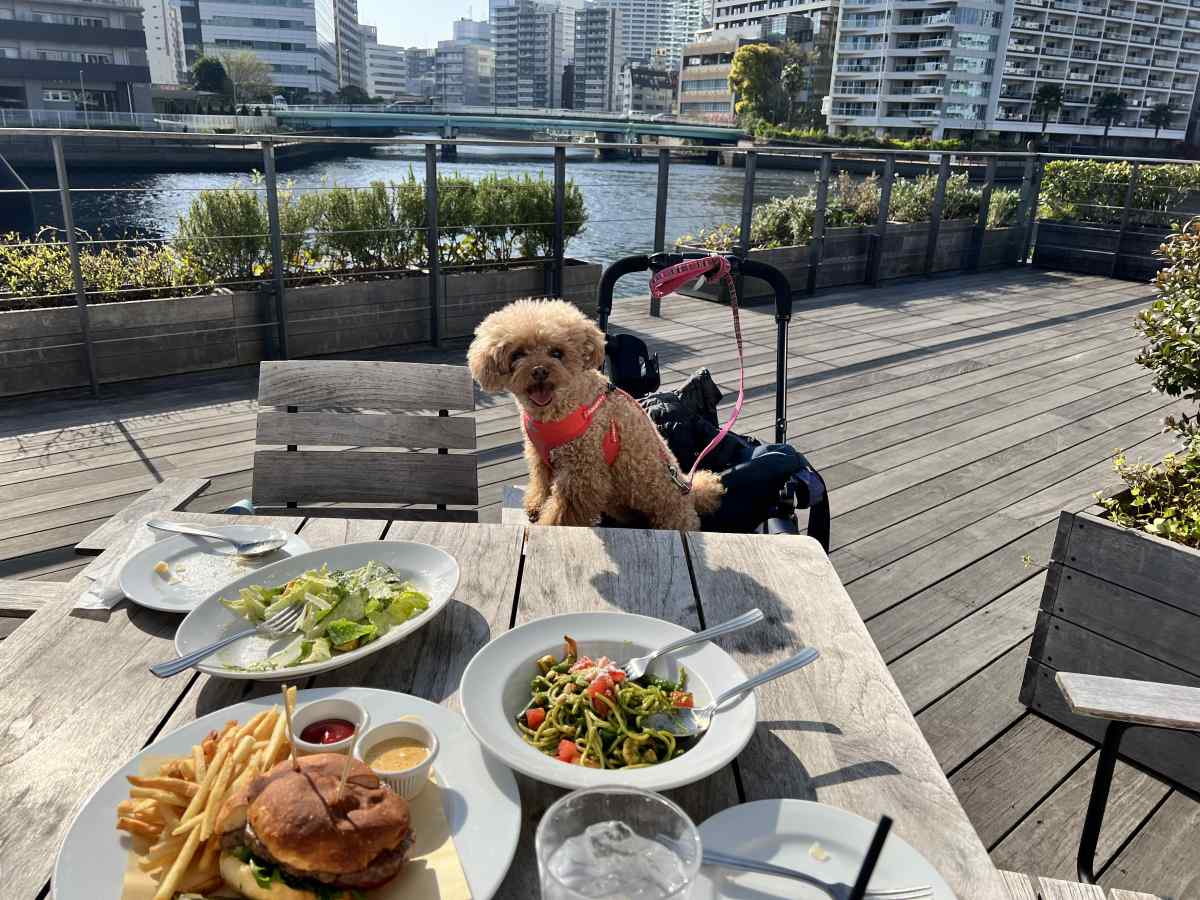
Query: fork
[836,890]
[636,668]
[275,627]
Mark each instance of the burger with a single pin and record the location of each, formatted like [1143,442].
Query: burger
[289,834]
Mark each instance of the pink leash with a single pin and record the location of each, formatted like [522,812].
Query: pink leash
[711,269]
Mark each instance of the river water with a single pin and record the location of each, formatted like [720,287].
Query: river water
[619,194]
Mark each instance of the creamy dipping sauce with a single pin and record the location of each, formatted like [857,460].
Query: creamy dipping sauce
[396,754]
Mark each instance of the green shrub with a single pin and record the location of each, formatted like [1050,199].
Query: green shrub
[1163,499]
[1092,191]
[1002,211]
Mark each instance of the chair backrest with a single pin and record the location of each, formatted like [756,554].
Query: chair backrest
[349,407]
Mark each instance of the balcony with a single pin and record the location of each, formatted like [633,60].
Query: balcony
[926,44]
[1017,47]
[852,47]
[1081,31]
[939,19]
[1010,94]
[922,67]
[857,69]
[1081,53]
[1056,51]
[1137,61]
[1146,17]
[1018,72]
[1172,22]
[1166,42]
[1060,29]
[1120,14]
[1133,82]
[1092,9]
[1027,25]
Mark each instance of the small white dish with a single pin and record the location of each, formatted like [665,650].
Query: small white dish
[784,832]
[194,566]
[433,571]
[405,782]
[495,688]
[332,708]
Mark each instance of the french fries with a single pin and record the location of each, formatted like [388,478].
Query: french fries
[172,815]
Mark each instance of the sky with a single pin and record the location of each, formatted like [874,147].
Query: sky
[417,23]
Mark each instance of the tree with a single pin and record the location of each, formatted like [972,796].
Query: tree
[794,79]
[208,74]
[754,81]
[248,75]
[1160,116]
[352,94]
[1047,101]
[1108,108]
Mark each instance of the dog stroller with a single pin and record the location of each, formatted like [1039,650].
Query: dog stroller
[765,483]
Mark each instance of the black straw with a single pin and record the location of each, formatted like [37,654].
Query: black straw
[868,867]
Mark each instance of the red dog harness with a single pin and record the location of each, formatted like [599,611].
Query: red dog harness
[547,436]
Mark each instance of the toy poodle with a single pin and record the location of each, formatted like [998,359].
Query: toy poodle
[591,449]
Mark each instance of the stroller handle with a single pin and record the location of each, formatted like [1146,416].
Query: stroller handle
[659,261]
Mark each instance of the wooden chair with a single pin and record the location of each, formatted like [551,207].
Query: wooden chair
[347,407]
[1124,704]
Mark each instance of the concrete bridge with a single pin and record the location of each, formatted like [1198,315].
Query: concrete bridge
[474,120]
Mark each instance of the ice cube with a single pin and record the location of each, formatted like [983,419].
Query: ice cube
[610,860]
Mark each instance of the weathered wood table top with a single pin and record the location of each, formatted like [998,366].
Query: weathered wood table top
[77,700]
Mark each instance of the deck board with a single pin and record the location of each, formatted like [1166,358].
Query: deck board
[954,417]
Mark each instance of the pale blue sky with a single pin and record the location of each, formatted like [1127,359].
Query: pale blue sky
[417,23]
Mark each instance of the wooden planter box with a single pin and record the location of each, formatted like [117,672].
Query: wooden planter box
[1123,603]
[145,338]
[1089,249]
[847,256]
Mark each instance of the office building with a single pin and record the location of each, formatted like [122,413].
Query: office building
[193,38]
[738,15]
[164,41]
[470,31]
[647,89]
[658,28]
[348,43]
[422,71]
[55,55]
[494,5]
[949,71]
[598,59]
[387,66]
[464,72]
[534,42]
[298,40]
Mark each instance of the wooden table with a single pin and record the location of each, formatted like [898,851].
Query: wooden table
[77,700]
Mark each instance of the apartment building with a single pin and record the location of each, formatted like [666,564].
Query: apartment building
[164,41]
[464,73]
[534,43]
[470,31]
[348,45]
[598,60]
[58,54]
[298,40]
[739,15]
[656,31]
[193,38]
[905,69]
[647,89]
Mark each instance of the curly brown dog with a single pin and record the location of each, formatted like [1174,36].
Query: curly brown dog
[591,449]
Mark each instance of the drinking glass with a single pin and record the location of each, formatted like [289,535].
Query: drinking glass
[612,842]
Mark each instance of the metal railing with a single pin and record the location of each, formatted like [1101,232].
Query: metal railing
[98,119]
[275,284]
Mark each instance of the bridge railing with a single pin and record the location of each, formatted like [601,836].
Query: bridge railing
[511,111]
[865,252]
[89,120]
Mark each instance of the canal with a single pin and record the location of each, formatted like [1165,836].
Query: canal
[619,194]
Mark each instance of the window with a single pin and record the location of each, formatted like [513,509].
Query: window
[963,111]
[704,84]
[973,41]
[8,53]
[57,96]
[971,64]
[970,88]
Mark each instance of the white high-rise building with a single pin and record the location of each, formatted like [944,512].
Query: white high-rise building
[666,26]
[351,58]
[463,73]
[164,41]
[599,57]
[739,15]
[534,43]
[298,40]
[949,69]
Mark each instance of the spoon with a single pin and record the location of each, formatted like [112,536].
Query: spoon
[260,547]
[694,722]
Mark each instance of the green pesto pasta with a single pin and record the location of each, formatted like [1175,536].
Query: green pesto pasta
[585,712]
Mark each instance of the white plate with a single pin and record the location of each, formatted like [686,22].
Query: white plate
[197,566]
[495,687]
[432,570]
[481,800]
[783,831]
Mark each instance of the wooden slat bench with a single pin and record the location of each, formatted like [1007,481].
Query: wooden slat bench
[21,599]
[1031,887]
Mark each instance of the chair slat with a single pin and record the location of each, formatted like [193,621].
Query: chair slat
[387,386]
[314,429]
[1133,895]
[1128,700]
[24,598]
[407,513]
[352,476]
[1053,889]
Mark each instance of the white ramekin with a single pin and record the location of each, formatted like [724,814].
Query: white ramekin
[407,782]
[331,708]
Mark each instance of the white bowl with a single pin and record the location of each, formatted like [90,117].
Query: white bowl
[405,782]
[495,687]
[333,708]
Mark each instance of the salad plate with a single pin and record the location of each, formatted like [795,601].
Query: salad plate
[496,690]
[480,798]
[175,574]
[358,599]
[824,841]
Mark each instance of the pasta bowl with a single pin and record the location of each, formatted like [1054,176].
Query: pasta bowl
[496,688]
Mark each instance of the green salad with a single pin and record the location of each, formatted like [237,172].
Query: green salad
[342,611]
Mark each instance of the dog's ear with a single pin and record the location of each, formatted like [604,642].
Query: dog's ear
[486,360]
[589,342]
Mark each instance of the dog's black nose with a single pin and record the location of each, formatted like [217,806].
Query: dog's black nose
[540,373]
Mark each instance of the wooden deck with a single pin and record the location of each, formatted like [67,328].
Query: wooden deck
[953,419]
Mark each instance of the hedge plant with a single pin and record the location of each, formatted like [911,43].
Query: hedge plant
[1093,192]
[335,232]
